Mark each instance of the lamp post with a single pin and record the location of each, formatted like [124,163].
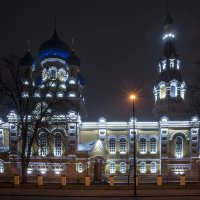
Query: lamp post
[133,97]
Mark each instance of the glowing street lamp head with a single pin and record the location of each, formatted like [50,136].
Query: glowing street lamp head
[132,97]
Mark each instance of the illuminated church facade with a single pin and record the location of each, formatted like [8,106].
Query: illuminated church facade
[168,146]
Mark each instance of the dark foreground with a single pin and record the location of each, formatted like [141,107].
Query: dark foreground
[100,193]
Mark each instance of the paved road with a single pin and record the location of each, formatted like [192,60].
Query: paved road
[100,198]
[97,194]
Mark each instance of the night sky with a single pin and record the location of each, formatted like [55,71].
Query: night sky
[119,43]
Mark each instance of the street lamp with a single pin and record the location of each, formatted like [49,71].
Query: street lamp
[133,97]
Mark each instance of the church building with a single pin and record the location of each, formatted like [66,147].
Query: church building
[168,145]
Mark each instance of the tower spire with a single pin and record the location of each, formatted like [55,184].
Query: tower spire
[167,6]
[169,92]
[55,23]
[28,45]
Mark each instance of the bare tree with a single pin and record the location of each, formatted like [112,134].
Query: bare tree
[22,93]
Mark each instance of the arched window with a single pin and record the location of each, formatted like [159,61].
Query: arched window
[143,146]
[122,145]
[57,145]
[142,167]
[1,138]
[112,145]
[153,146]
[162,92]
[1,166]
[112,167]
[122,167]
[43,145]
[153,167]
[179,147]
[173,91]
[53,73]
[80,167]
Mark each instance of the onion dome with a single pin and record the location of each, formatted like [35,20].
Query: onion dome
[28,60]
[73,59]
[54,48]
[80,80]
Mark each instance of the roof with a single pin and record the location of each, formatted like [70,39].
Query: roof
[87,146]
[54,47]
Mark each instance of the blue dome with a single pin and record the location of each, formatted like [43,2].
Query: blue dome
[80,79]
[54,48]
[28,60]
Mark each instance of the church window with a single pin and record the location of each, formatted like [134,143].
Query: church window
[60,94]
[62,75]
[142,167]
[162,92]
[49,95]
[62,86]
[72,81]
[153,146]
[112,146]
[43,145]
[80,167]
[57,145]
[72,94]
[122,145]
[173,91]
[143,146]
[1,166]
[72,127]
[182,93]
[25,94]
[123,167]
[153,167]
[53,74]
[179,147]
[1,138]
[112,167]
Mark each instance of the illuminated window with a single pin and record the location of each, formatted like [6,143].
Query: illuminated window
[62,75]
[72,81]
[57,145]
[142,167]
[1,138]
[153,146]
[1,166]
[143,146]
[122,145]
[62,86]
[123,167]
[179,147]
[37,94]
[60,94]
[112,167]
[162,92]
[25,94]
[153,167]
[80,167]
[173,91]
[53,74]
[112,146]
[72,94]
[49,95]
[43,145]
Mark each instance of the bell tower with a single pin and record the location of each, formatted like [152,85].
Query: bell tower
[170,90]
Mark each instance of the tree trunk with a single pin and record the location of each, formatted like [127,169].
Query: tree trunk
[24,170]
